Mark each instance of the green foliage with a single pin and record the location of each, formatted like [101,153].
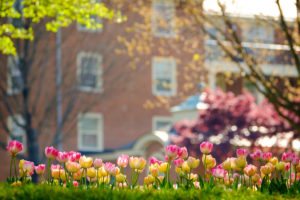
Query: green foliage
[57,14]
[47,192]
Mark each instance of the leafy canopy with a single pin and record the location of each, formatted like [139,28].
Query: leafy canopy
[56,14]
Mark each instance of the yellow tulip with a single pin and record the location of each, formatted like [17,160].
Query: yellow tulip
[91,172]
[85,162]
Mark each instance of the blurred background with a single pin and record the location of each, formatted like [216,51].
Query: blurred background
[161,72]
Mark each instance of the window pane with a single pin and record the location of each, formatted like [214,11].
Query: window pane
[16,83]
[163,15]
[89,124]
[163,84]
[213,52]
[89,140]
[161,124]
[88,76]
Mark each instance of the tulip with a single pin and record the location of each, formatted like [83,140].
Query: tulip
[120,178]
[102,171]
[122,161]
[206,147]
[62,157]
[219,173]
[78,175]
[73,167]
[172,151]
[74,156]
[40,169]
[257,155]
[287,157]
[98,163]
[255,178]
[267,157]
[91,172]
[295,161]
[193,162]
[13,148]
[280,166]
[137,163]
[154,171]
[28,167]
[185,167]
[55,171]
[208,161]
[273,161]
[110,168]
[85,162]
[242,152]
[163,167]
[178,162]
[182,153]
[227,164]
[75,183]
[241,162]
[51,153]
[250,170]
[266,170]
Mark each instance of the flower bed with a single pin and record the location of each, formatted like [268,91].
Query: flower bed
[232,176]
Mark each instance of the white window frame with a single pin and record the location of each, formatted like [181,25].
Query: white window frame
[10,122]
[10,66]
[173,83]
[99,132]
[82,28]
[156,119]
[99,87]
[170,4]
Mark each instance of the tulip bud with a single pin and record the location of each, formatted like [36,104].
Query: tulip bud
[185,167]
[206,147]
[86,162]
[280,166]
[164,167]
[91,172]
[14,147]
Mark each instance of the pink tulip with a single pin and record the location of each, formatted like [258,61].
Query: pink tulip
[287,157]
[74,156]
[206,147]
[40,169]
[28,167]
[75,183]
[110,168]
[153,160]
[178,162]
[182,153]
[122,160]
[54,167]
[250,170]
[98,163]
[51,153]
[172,151]
[295,161]
[242,152]
[62,157]
[267,157]
[14,147]
[219,173]
[287,166]
[257,155]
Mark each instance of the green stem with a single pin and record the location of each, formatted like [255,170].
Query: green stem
[16,174]
[85,177]
[67,180]
[48,171]
[10,169]
[290,173]
[204,164]
[97,179]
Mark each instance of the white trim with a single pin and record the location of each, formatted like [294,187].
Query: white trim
[10,66]
[154,19]
[99,87]
[10,123]
[156,119]
[172,62]
[99,131]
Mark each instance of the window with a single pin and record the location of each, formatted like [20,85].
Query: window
[159,122]
[164,76]
[14,76]
[95,18]
[89,72]
[258,33]
[163,18]
[17,132]
[90,132]
[213,53]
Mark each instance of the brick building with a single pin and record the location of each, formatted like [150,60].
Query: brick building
[108,117]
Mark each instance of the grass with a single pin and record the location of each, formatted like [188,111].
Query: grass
[44,192]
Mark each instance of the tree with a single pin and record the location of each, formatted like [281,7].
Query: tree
[32,92]
[200,31]
[231,120]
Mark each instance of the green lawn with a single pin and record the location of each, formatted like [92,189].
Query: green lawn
[53,192]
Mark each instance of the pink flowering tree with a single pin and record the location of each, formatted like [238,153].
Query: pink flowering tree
[229,117]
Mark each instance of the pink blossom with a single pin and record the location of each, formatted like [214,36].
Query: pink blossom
[110,168]
[14,147]
[182,153]
[40,169]
[62,157]
[172,151]
[98,163]
[206,147]
[287,157]
[241,152]
[122,160]
[74,156]
[287,166]
[178,162]
[75,183]
[219,173]
[295,161]
[51,153]
[257,155]
[267,157]
[28,167]
[153,160]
